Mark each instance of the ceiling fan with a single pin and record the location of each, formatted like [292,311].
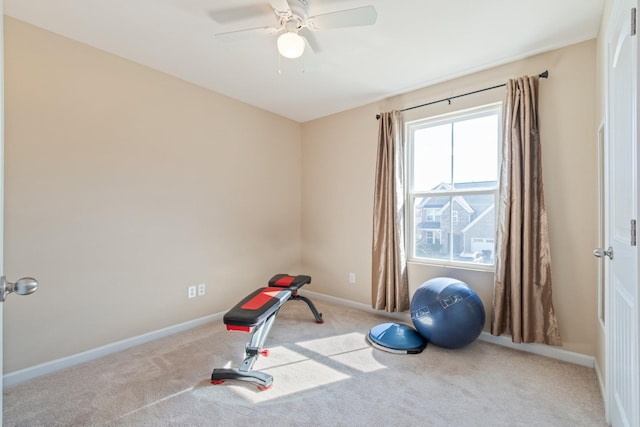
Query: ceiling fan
[296,27]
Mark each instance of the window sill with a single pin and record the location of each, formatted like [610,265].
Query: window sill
[454,265]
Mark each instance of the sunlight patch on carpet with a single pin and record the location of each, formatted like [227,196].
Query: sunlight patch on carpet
[348,349]
[279,356]
[361,360]
[302,366]
[292,373]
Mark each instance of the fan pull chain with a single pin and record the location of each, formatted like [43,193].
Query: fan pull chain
[279,64]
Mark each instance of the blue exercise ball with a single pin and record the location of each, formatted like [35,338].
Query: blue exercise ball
[447,312]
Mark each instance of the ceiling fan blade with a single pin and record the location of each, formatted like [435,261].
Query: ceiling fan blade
[232,36]
[310,38]
[281,7]
[360,16]
[226,16]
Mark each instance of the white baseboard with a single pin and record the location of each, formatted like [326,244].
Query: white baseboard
[540,349]
[22,375]
[601,382]
[358,305]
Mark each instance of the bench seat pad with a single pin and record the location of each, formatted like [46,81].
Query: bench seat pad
[290,282]
[257,307]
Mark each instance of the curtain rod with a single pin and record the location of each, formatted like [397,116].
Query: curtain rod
[543,75]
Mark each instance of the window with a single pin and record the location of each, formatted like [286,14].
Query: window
[433,237]
[431,215]
[452,186]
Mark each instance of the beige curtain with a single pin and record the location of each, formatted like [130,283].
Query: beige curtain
[522,305]
[389,287]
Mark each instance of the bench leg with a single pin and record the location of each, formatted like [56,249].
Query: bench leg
[252,351]
[254,348]
[314,310]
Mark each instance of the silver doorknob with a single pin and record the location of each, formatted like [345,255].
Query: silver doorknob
[24,286]
[599,252]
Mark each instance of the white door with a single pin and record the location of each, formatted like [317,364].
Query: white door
[622,370]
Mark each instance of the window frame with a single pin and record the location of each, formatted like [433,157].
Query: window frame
[411,195]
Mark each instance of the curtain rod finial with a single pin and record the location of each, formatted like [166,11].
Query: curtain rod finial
[377,116]
[544,74]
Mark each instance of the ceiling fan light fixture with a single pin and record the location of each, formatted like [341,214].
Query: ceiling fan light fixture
[291,45]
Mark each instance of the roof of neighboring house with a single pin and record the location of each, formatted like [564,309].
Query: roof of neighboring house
[472,203]
[478,218]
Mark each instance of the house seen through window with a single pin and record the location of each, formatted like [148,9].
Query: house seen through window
[452,186]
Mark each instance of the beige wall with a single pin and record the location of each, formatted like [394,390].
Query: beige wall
[123,186]
[339,165]
[339,157]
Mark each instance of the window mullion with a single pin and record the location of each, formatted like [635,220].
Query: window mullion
[451,177]
[488,190]
[451,231]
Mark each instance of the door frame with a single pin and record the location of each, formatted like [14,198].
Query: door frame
[1,196]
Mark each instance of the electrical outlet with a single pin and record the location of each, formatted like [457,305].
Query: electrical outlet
[352,277]
[202,289]
[192,291]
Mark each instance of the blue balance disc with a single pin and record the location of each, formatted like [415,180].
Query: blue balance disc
[396,338]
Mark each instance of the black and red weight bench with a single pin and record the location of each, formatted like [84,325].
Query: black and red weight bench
[255,314]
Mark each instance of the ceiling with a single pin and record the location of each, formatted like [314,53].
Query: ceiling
[413,44]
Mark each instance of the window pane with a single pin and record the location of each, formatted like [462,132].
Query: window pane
[475,150]
[431,157]
[432,219]
[475,229]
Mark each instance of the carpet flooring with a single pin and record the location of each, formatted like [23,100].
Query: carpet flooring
[324,375]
